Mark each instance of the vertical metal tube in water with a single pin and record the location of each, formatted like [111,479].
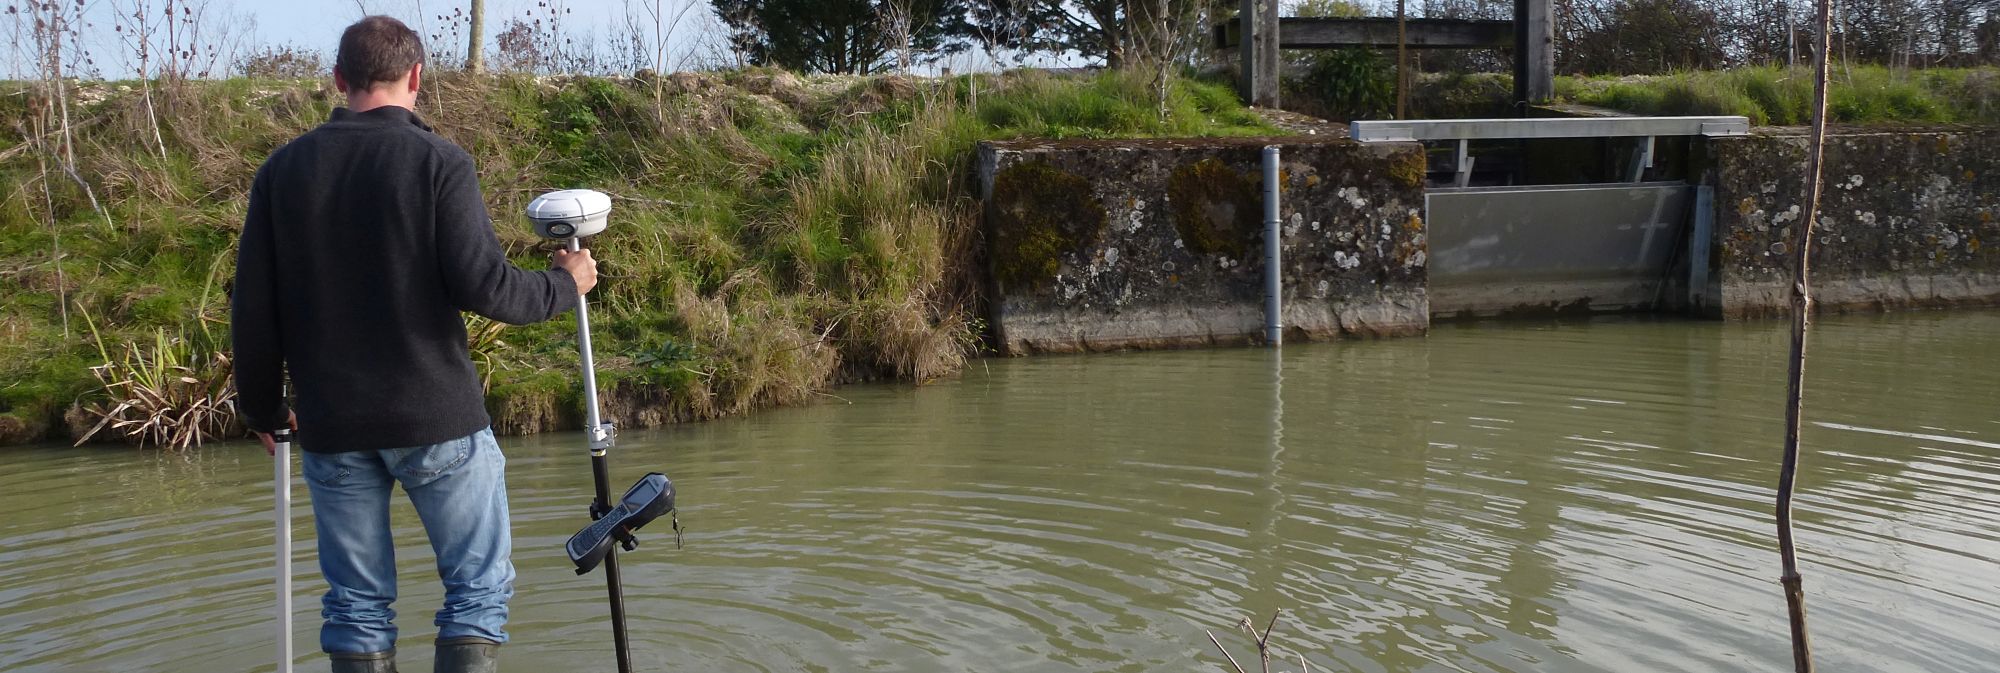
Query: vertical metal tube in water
[281,473]
[1274,286]
[600,468]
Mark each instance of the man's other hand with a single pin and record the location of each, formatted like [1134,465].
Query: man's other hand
[581,268]
[271,443]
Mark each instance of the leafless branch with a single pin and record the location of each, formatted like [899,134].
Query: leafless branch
[1224,651]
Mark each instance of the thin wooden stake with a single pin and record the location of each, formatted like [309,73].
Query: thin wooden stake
[1795,598]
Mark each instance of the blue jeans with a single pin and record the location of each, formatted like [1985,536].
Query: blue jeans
[459,488]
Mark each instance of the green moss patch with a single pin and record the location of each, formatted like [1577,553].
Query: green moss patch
[1039,212]
[1215,208]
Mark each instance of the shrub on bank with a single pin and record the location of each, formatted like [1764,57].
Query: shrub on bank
[774,234]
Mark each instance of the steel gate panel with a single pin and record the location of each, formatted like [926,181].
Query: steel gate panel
[1575,248]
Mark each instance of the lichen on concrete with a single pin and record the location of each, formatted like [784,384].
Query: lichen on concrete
[1903,220]
[1181,262]
[1038,214]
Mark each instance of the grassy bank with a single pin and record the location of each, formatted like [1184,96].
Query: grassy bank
[1861,94]
[1781,96]
[773,234]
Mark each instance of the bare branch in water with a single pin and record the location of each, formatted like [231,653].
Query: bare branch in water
[1225,652]
[1262,641]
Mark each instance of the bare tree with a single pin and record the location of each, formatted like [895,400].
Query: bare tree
[1159,31]
[475,39]
[656,36]
[56,36]
[136,25]
[898,31]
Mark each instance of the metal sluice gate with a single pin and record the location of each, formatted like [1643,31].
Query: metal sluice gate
[1610,244]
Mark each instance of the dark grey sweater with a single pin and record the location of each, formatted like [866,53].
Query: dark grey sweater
[365,240]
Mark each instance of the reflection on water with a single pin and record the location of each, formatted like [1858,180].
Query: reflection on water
[1577,497]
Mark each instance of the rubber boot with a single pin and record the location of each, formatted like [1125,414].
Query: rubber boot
[367,662]
[467,655]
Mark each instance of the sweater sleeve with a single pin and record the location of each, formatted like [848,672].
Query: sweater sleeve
[477,275]
[253,319]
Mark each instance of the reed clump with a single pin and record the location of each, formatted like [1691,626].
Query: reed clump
[774,234]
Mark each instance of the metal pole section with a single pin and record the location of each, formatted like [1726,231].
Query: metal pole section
[590,418]
[1274,285]
[600,470]
[282,486]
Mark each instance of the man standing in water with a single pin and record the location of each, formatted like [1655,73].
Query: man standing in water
[366,238]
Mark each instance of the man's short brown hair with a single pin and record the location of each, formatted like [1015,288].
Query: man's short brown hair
[377,50]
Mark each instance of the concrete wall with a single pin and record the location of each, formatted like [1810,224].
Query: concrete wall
[1096,245]
[1908,220]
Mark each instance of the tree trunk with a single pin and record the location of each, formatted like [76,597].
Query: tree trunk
[475,40]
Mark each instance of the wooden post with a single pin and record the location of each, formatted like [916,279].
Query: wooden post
[1246,49]
[1402,60]
[1534,54]
[1267,54]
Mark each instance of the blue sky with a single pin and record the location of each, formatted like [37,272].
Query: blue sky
[317,23]
[698,39]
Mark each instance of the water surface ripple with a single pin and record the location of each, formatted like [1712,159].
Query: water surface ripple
[1574,497]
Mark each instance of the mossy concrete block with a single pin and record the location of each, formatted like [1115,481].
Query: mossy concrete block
[1908,220]
[1117,244]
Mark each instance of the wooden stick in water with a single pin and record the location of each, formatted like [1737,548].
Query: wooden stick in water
[1795,598]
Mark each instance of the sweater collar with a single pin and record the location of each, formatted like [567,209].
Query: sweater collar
[387,115]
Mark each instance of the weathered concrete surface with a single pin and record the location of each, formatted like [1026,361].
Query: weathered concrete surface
[1908,220]
[1100,245]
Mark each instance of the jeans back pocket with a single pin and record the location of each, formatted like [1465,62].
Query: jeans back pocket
[420,465]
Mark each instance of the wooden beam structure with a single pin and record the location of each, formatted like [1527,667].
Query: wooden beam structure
[1534,54]
[1258,26]
[1316,33]
[1530,37]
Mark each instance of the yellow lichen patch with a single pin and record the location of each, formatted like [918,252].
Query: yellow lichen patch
[1972,245]
[1414,223]
[1970,175]
[1408,168]
[1747,206]
[1312,180]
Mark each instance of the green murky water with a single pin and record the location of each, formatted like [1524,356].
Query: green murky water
[1583,497]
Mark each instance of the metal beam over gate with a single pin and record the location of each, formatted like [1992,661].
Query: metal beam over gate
[1555,127]
[1464,131]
